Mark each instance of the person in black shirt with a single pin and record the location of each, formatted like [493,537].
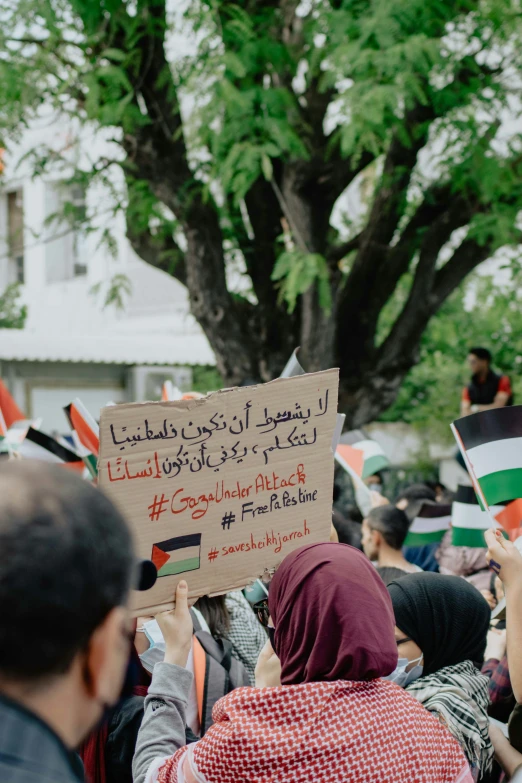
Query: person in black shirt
[486,389]
[66,567]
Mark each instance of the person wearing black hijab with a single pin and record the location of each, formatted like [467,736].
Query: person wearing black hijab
[441,625]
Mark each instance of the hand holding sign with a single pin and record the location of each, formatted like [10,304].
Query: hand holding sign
[177,628]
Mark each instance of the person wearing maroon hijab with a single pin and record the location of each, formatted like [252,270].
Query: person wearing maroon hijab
[332,717]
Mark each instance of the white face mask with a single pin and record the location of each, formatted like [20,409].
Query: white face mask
[401,676]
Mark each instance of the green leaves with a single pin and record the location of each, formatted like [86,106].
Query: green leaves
[13,314]
[295,272]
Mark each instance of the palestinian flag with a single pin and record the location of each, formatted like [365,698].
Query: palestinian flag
[85,434]
[468,521]
[430,524]
[170,392]
[511,517]
[370,459]
[87,429]
[177,555]
[38,445]
[491,444]
[10,410]
[3,426]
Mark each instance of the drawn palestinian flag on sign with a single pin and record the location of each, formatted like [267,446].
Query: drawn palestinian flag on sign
[430,524]
[38,445]
[491,444]
[468,521]
[177,555]
[364,455]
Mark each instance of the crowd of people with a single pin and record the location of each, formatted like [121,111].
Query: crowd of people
[370,662]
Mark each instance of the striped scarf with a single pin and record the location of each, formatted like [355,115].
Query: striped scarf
[459,696]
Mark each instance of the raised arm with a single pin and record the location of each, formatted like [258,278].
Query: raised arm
[162,731]
[505,559]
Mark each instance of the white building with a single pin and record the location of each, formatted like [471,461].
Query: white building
[72,346]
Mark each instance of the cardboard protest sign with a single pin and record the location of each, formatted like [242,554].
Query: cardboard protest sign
[221,489]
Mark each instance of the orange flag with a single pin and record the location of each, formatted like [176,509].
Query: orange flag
[9,408]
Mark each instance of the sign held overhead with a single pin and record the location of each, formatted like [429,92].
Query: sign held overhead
[220,490]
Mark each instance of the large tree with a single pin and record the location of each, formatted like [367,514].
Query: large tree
[293,103]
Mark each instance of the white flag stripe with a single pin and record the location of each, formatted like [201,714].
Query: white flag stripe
[496,455]
[370,448]
[471,516]
[427,525]
[31,450]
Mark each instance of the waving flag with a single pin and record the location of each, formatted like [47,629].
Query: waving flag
[170,392]
[3,426]
[468,521]
[10,410]
[491,444]
[38,445]
[371,457]
[430,524]
[85,434]
[511,518]
[86,428]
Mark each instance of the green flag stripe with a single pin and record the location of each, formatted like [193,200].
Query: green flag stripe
[374,464]
[169,569]
[502,485]
[466,536]
[420,539]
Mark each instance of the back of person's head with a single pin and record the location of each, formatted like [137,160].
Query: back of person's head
[445,616]
[216,614]
[390,523]
[390,574]
[65,571]
[481,353]
[321,587]
[348,527]
[414,492]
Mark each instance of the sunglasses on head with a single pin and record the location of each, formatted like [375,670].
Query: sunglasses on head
[263,615]
[262,612]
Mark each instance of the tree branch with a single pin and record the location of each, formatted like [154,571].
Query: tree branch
[160,252]
[337,252]
[463,261]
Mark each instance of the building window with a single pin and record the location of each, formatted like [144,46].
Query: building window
[66,247]
[15,234]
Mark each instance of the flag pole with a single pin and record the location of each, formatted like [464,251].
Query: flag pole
[471,472]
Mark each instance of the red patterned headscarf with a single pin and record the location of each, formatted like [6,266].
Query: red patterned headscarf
[333,616]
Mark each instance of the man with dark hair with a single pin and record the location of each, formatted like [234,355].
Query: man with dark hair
[486,389]
[383,533]
[66,567]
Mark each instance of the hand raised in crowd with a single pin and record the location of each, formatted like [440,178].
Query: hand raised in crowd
[504,558]
[378,500]
[268,669]
[177,628]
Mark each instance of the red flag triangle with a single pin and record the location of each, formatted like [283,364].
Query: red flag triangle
[159,557]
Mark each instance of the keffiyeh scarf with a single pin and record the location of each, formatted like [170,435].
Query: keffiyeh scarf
[324,732]
[459,696]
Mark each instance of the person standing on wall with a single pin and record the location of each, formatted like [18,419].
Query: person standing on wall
[486,389]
